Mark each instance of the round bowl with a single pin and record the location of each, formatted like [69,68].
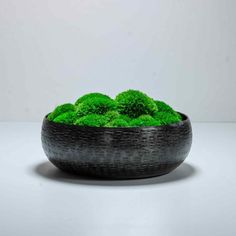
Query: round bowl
[117,153]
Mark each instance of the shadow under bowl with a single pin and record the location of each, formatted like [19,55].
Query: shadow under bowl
[117,153]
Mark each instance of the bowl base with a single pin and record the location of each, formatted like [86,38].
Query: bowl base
[115,172]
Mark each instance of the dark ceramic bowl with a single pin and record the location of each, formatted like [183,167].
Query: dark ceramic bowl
[117,153]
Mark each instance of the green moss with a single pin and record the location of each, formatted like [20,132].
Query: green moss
[162,106]
[135,103]
[144,120]
[66,118]
[60,110]
[130,108]
[95,106]
[111,115]
[166,118]
[90,95]
[125,117]
[118,122]
[92,120]
[166,112]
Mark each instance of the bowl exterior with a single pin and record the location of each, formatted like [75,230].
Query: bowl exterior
[117,153]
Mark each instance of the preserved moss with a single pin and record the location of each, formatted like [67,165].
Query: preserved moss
[135,103]
[66,118]
[144,120]
[96,105]
[111,115]
[60,110]
[93,120]
[162,106]
[131,108]
[125,117]
[117,123]
[166,118]
[90,95]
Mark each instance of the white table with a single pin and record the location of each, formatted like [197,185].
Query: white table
[199,198]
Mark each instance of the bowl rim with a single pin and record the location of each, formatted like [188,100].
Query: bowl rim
[185,119]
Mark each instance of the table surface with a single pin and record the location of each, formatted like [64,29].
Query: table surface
[198,198]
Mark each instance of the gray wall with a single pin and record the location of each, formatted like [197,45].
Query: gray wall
[180,51]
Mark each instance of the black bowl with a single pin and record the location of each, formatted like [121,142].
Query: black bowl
[117,153]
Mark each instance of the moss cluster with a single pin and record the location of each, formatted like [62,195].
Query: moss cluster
[69,117]
[97,106]
[131,108]
[93,120]
[166,118]
[162,106]
[134,103]
[118,122]
[112,115]
[90,95]
[145,120]
[60,110]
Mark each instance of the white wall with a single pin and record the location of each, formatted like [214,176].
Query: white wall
[181,51]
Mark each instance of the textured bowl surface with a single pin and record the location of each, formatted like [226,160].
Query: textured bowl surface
[117,153]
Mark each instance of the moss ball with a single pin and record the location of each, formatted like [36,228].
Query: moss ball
[144,120]
[93,120]
[96,105]
[111,115]
[131,108]
[135,103]
[166,118]
[162,106]
[125,117]
[117,123]
[66,118]
[90,95]
[60,110]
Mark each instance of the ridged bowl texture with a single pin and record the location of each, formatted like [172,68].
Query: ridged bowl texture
[117,153]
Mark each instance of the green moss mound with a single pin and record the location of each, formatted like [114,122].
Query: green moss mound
[98,105]
[111,115]
[60,110]
[144,120]
[68,118]
[162,106]
[118,122]
[125,117]
[90,95]
[166,118]
[93,120]
[135,103]
[130,108]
